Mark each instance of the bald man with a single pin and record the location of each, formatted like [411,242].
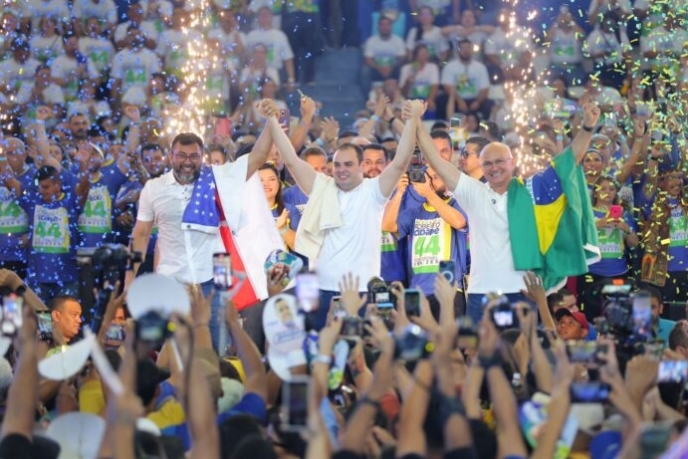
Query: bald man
[15,177]
[492,260]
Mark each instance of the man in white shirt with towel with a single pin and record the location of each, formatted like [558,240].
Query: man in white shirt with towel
[341,225]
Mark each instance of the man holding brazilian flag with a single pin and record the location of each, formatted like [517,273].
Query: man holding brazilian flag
[542,224]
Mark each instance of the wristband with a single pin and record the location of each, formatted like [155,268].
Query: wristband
[450,406]
[486,363]
[365,400]
[588,129]
[320,142]
[321,358]
[375,118]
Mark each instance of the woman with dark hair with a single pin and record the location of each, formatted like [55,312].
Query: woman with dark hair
[616,232]
[272,186]
[420,79]
[428,34]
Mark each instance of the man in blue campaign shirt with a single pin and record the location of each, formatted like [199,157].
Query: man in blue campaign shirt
[106,178]
[53,212]
[14,223]
[436,231]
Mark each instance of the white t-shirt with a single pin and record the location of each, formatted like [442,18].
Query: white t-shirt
[45,49]
[51,95]
[185,255]
[599,42]
[669,45]
[477,37]
[147,28]
[509,48]
[38,9]
[64,66]
[100,107]
[433,39]
[604,6]
[565,47]
[492,263]
[253,78]
[228,45]
[384,52]
[468,79]
[423,79]
[277,44]
[99,50]
[355,246]
[173,48]
[104,9]
[16,74]
[134,68]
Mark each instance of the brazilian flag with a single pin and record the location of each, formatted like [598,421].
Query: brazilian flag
[551,223]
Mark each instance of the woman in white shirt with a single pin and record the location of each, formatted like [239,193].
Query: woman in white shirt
[428,34]
[420,78]
[47,45]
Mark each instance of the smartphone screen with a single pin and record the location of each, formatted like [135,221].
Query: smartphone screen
[642,314]
[307,291]
[447,269]
[412,302]
[295,394]
[11,313]
[337,308]
[503,318]
[223,126]
[222,271]
[615,211]
[115,332]
[45,325]
[586,352]
[589,392]
[672,371]
[352,327]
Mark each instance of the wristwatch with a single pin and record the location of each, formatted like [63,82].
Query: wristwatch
[486,363]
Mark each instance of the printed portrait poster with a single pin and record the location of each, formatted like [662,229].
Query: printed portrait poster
[283,324]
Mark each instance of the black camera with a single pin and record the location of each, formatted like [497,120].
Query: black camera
[412,344]
[416,173]
[503,314]
[380,293]
[109,261]
[628,318]
[153,328]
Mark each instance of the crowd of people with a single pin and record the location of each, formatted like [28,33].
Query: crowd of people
[495,254]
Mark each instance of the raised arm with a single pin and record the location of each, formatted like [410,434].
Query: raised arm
[256,380]
[449,173]
[303,173]
[261,149]
[300,134]
[591,113]
[412,112]
[638,152]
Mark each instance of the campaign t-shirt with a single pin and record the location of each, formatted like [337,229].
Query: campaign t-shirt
[95,222]
[678,236]
[53,234]
[431,240]
[14,222]
[612,246]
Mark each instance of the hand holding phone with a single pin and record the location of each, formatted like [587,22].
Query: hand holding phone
[615,212]
[295,404]
[222,271]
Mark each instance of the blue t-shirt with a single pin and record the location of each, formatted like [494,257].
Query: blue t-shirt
[96,220]
[14,221]
[678,235]
[614,261]
[431,240]
[53,235]
[250,404]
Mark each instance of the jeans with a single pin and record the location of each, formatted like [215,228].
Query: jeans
[474,308]
[217,325]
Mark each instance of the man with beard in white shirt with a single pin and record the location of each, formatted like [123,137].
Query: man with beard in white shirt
[467,83]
